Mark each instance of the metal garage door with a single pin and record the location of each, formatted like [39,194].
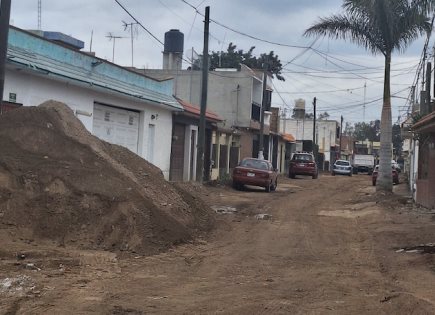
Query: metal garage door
[117,126]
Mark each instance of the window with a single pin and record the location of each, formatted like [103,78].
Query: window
[256,112]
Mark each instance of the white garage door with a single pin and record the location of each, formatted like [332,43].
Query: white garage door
[117,126]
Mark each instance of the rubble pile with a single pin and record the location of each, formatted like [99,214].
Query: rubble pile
[58,183]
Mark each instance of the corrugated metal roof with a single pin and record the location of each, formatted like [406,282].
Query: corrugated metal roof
[48,66]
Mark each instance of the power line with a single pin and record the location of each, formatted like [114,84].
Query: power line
[139,23]
[245,34]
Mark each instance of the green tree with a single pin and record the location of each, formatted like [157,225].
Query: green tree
[381,27]
[233,58]
[348,129]
[367,131]
[323,116]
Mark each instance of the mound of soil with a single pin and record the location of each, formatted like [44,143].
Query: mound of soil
[59,183]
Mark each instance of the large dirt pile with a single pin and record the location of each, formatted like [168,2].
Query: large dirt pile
[59,183]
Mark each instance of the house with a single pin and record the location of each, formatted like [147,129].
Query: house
[184,142]
[116,104]
[424,130]
[327,137]
[347,147]
[410,149]
[236,95]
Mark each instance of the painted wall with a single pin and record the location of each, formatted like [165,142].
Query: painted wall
[230,94]
[32,90]
[35,44]
[303,130]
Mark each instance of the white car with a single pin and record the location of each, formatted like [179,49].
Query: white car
[342,167]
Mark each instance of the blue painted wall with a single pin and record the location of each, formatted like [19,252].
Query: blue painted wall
[34,44]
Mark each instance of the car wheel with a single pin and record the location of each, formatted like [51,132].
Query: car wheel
[333,174]
[292,175]
[350,174]
[315,176]
[269,187]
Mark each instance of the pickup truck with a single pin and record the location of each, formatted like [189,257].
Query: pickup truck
[363,163]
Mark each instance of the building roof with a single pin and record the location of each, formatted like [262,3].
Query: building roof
[46,58]
[427,123]
[196,111]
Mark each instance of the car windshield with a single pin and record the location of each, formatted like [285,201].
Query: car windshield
[257,164]
[343,163]
[303,157]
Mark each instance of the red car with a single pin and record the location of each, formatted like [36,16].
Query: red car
[393,172]
[255,172]
[303,164]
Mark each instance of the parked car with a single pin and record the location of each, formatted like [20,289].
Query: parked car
[255,172]
[394,173]
[303,163]
[342,167]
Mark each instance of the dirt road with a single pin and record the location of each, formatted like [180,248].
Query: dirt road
[327,246]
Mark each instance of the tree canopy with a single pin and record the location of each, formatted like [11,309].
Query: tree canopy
[233,58]
[381,27]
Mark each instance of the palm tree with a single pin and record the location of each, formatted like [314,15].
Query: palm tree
[381,27]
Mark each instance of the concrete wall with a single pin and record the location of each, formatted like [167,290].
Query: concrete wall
[32,90]
[326,131]
[230,94]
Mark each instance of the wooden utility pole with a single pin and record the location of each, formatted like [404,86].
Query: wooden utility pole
[428,86]
[341,134]
[204,86]
[5,11]
[314,129]
[263,106]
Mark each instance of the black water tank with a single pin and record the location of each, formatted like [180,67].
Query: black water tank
[174,42]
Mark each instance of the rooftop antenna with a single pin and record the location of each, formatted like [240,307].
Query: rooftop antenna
[92,37]
[110,36]
[133,32]
[39,14]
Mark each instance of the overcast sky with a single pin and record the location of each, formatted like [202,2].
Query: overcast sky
[335,73]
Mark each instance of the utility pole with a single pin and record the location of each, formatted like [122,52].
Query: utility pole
[204,86]
[341,134]
[5,11]
[263,106]
[39,15]
[428,86]
[314,129]
[364,106]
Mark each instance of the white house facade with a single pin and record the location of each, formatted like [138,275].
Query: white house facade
[115,104]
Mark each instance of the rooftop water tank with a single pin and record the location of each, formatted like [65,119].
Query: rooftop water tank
[174,41]
[300,103]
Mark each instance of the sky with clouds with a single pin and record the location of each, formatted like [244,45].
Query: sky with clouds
[334,72]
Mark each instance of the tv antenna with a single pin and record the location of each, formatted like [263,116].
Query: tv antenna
[39,14]
[132,27]
[110,36]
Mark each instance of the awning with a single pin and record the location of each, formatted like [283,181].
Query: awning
[288,137]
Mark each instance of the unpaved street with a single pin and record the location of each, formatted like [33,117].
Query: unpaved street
[331,246]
